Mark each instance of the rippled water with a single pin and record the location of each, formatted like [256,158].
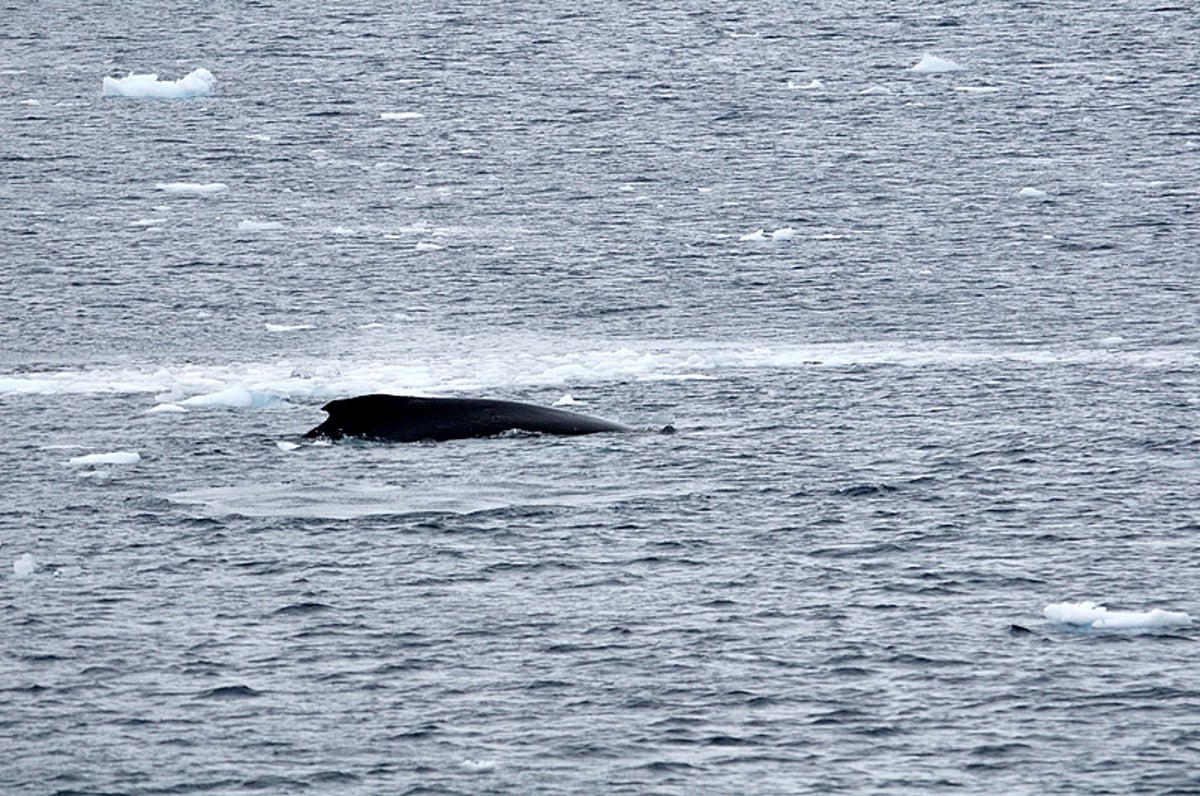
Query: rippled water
[931,404]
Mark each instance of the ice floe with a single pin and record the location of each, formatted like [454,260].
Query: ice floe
[249,225]
[231,398]
[1086,616]
[761,235]
[1030,193]
[199,83]
[192,188]
[113,457]
[24,565]
[932,64]
[392,116]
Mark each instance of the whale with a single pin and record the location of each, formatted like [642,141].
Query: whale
[407,418]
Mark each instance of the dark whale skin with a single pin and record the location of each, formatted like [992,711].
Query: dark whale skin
[403,418]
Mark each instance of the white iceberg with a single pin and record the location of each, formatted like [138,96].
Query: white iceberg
[197,84]
[231,398]
[249,225]
[115,457]
[192,188]
[24,566]
[1091,616]
[932,64]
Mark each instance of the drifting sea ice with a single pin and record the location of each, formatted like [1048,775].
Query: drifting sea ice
[115,457]
[231,398]
[24,566]
[192,188]
[1090,616]
[248,225]
[783,233]
[197,84]
[932,64]
[400,115]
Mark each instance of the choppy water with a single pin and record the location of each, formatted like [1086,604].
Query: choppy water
[936,405]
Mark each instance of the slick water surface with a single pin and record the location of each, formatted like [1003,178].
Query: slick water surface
[402,418]
[916,285]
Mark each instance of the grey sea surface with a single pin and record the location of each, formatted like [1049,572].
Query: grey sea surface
[929,342]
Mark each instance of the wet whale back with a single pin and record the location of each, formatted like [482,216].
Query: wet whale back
[400,418]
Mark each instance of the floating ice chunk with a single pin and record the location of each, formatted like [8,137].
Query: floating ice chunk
[231,398]
[192,188]
[197,84]
[1030,193]
[566,400]
[424,246]
[812,85]
[1090,616]
[115,457]
[24,566]
[166,409]
[283,327]
[781,234]
[284,445]
[147,222]
[977,89]
[247,225]
[400,115]
[876,89]
[932,64]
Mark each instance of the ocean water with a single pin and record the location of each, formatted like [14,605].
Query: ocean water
[929,340]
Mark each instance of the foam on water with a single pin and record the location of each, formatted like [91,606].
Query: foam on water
[199,83]
[1086,616]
